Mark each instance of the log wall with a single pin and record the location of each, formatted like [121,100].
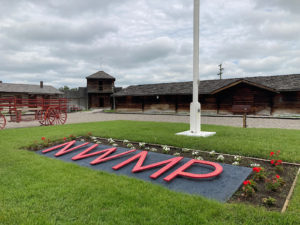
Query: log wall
[98,85]
[260,101]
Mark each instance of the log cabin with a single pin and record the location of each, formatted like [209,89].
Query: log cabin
[28,91]
[264,95]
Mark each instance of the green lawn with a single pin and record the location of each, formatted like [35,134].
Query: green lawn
[39,190]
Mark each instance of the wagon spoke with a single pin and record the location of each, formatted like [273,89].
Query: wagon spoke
[2,121]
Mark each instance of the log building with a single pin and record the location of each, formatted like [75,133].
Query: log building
[265,95]
[28,91]
[100,87]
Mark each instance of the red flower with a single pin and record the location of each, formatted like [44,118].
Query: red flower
[278,152]
[272,161]
[272,153]
[43,138]
[277,176]
[65,138]
[256,169]
[246,182]
[278,162]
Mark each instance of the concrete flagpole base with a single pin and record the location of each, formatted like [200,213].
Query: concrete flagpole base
[200,134]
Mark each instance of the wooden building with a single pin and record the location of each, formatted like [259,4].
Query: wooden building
[265,95]
[28,91]
[100,87]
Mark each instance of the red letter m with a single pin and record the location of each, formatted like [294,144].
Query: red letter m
[139,165]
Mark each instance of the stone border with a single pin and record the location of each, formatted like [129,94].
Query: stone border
[290,193]
[207,152]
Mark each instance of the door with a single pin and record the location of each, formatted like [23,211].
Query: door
[101,102]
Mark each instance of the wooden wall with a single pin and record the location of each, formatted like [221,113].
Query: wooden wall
[93,85]
[286,103]
[261,102]
[95,99]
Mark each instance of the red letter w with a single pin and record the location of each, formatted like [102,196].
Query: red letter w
[139,165]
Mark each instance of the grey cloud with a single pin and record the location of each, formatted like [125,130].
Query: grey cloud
[45,31]
[141,41]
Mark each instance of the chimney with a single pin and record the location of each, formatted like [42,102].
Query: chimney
[41,84]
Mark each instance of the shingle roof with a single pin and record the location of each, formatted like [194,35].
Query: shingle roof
[28,88]
[277,83]
[101,75]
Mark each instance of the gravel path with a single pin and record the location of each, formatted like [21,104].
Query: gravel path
[92,116]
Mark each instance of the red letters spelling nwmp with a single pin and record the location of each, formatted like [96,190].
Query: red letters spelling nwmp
[140,157]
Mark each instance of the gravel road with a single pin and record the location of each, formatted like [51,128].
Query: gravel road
[92,116]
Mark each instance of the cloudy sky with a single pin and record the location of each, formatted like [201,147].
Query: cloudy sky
[145,41]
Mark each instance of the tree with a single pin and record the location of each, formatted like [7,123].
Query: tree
[64,88]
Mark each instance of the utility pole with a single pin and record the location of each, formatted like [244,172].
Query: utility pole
[221,71]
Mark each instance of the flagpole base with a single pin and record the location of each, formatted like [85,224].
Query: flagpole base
[198,134]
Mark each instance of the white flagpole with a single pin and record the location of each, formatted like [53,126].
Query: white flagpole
[195,108]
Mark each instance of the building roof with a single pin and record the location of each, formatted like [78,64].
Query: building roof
[101,75]
[28,89]
[81,92]
[277,83]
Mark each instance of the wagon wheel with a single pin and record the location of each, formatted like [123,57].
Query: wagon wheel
[60,117]
[50,116]
[40,116]
[2,121]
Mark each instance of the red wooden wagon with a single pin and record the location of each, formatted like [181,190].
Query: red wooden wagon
[46,111]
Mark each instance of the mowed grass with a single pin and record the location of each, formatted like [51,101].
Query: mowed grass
[39,190]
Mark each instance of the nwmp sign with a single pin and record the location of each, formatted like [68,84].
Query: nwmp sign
[213,180]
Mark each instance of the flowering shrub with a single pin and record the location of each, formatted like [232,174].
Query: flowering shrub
[125,141]
[277,163]
[186,150]
[237,158]
[254,165]
[129,145]
[259,173]
[269,201]
[220,158]
[46,142]
[212,153]
[142,144]
[274,183]
[110,141]
[165,148]
[153,149]
[72,137]
[235,163]
[248,189]
[199,158]
[194,153]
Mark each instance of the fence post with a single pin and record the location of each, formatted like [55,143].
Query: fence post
[245,120]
